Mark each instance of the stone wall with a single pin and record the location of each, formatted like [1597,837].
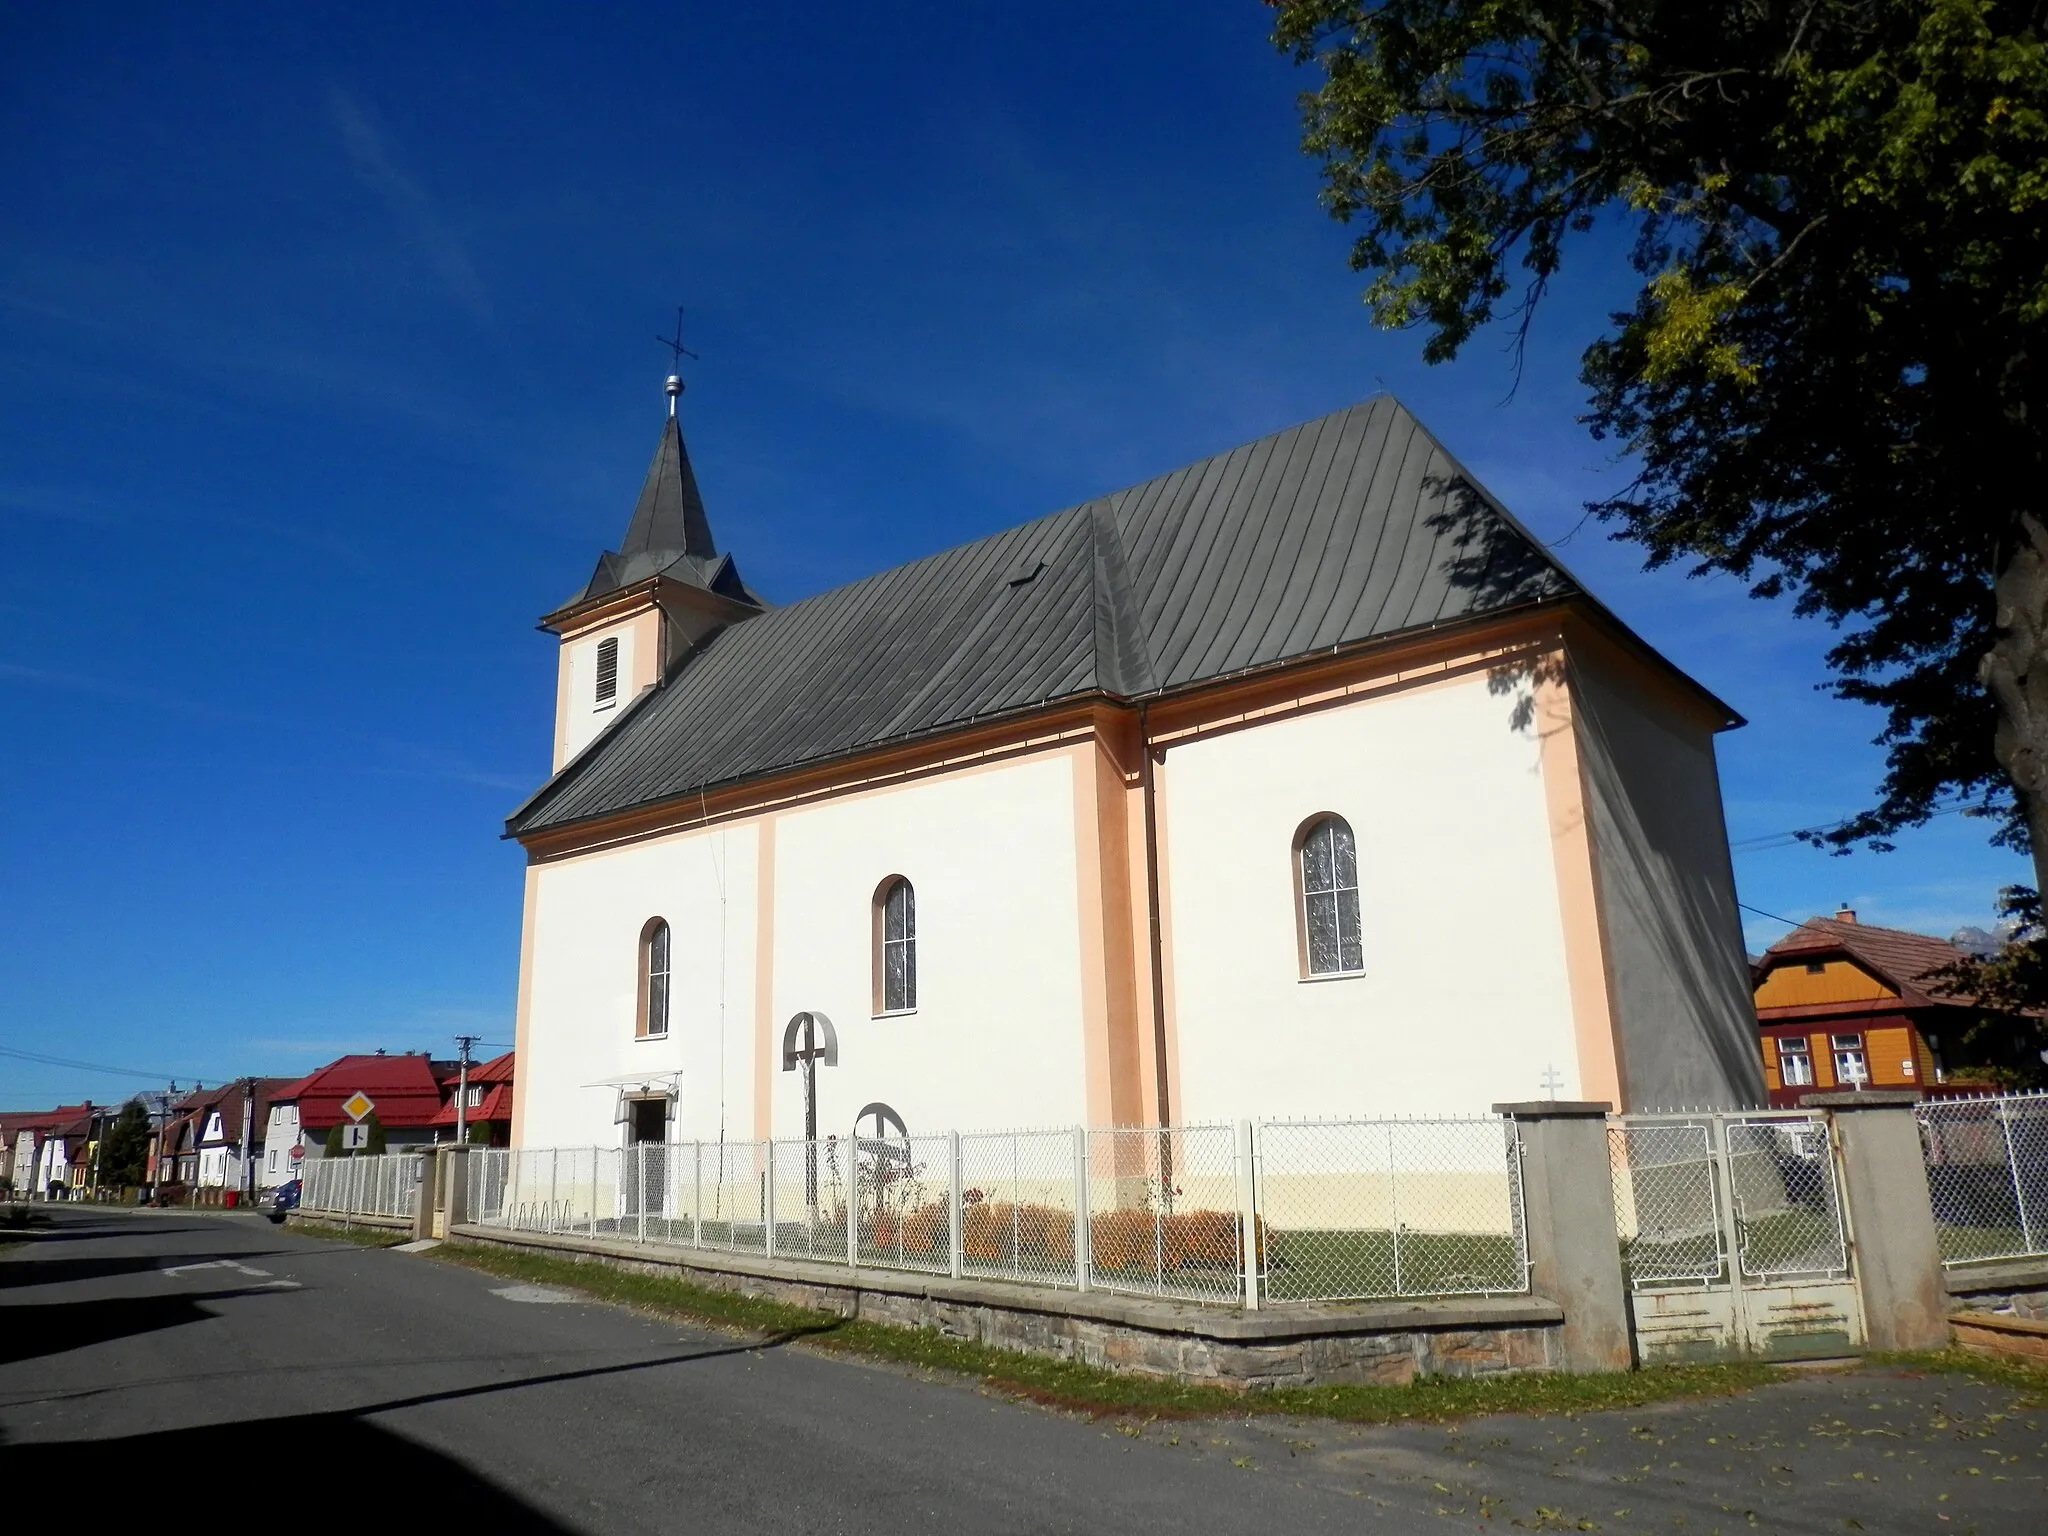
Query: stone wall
[1290,1346]
[2019,1288]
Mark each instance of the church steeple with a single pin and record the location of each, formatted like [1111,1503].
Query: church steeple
[663,593]
[670,534]
[669,517]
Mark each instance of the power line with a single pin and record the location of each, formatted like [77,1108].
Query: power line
[93,1066]
[1800,834]
[1760,912]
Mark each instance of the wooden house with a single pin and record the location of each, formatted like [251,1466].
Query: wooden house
[1848,1005]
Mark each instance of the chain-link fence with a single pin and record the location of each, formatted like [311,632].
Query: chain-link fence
[1666,1204]
[1165,1212]
[1018,1194]
[1352,1209]
[1688,1188]
[1987,1174]
[1347,1209]
[385,1185]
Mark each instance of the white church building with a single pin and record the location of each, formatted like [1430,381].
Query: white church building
[1298,782]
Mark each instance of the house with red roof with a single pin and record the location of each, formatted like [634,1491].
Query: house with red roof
[1842,1004]
[486,1104]
[406,1093]
[42,1146]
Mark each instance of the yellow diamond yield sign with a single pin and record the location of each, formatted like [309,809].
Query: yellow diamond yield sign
[357,1105]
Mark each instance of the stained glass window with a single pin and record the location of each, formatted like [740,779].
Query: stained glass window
[899,948]
[1329,899]
[654,950]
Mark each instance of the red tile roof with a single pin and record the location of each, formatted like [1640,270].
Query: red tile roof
[1895,956]
[403,1088]
[496,1105]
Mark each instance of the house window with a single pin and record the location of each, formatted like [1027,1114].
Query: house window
[1816,967]
[1795,1062]
[654,973]
[1850,1067]
[895,947]
[607,671]
[1326,866]
[474,1098]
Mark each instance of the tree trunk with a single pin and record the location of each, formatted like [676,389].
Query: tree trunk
[2016,672]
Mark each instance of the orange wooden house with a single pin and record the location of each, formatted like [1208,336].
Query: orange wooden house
[1844,1005]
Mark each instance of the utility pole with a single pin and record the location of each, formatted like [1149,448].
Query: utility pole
[163,1125]
[246,1180]
[462,1090]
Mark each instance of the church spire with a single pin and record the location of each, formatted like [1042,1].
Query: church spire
[669,517]
[669,535]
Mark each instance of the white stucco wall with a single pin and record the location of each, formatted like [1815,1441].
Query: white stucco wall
[996,1036]
[1465,997]
[588,915]
[280,1135]
[996,1039]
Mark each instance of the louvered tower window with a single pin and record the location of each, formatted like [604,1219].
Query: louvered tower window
[607,671]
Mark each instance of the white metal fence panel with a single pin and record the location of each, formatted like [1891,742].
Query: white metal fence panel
[1987,1174]
[1353,1209]
[1666,1203]
[1359,1208]
[385,1185]
[1788,1215]
[901,1202]
[1017,1203]
[1687,1187]
[1165,1212]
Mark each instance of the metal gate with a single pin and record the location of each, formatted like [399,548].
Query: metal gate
[1732,1236]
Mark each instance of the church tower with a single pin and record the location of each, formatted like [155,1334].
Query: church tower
[664,591]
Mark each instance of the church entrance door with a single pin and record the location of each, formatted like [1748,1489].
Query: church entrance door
[645,1181]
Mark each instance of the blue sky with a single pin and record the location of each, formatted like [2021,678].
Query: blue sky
[327,364]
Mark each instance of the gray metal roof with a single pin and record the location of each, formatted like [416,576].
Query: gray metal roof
[1350,527]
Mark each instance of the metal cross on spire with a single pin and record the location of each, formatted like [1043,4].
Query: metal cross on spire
[674,386]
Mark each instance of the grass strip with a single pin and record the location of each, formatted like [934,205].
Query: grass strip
[364,1237]
[2030,1381]
[1091,1389]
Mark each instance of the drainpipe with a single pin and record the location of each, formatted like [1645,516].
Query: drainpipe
[1155,943]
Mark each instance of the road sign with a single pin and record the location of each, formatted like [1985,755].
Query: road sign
[354,1137]
[298,1154]
[357,1105]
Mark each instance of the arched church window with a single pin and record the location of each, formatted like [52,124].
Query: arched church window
[654,976]
[1326,871]
[607,670]
[895,946]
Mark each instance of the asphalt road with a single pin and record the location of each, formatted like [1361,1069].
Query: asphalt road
[147,1357]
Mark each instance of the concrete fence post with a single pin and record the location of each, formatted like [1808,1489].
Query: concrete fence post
[1897,1255]
[457,1201]
[1574,1248]
[426,1186]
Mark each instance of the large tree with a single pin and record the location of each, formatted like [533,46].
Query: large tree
[1826,380]
[124,1155]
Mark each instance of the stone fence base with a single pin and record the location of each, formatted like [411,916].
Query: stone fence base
[1289,1346]
[337,1219]
[2016,1288]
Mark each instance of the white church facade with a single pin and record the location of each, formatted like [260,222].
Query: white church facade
[1298,782]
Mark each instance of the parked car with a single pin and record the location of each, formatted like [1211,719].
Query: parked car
[281,1201]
